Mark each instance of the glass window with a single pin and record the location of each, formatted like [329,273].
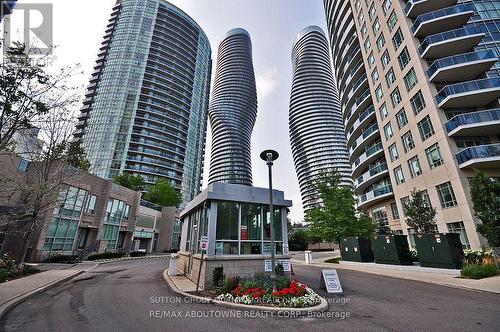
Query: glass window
[277,224]
[408,142]
[361,17]
[395,211]
[459,227]
[23,165]
[404,58]
[394,152]
[393,19]
[386,5]
[390,77]
[410,79]
[388,131]
[395,97]
[397,39]
[364,30]
[398,174]
[379,216]
[425,128]
[90,205]
[368,44]
[380,42]
[227,221]
[401,118]
[379,93]
[417,102]
[251,223]
[376,26]
[446,195]
[383,111]
[434,156]
[372,12]
[385,59]
[371,59]
[414,166]
[375,75]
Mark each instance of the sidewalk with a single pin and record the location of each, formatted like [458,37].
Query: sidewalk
[436,276]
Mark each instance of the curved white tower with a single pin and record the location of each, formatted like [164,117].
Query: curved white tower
[232,110]
[315,121]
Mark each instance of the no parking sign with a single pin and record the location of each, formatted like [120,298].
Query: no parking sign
[204,243]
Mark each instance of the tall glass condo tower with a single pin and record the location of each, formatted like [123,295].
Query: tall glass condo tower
[146,107]
[233,110]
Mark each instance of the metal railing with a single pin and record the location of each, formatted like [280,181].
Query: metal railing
[472,118]
[453,89]
[439,37]
[463,8]
[478,152]
[460,59]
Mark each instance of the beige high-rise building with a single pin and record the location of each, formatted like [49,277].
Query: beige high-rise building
[419,83]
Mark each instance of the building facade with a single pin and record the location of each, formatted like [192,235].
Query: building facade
[145,110]
[316,127]
[156,228]
[6,7]
[233,110]
[433,73]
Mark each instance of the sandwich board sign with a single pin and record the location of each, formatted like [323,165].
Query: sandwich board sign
[330,281]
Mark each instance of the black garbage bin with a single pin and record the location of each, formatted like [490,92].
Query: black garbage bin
[391,249]
[442,250]
[356,249]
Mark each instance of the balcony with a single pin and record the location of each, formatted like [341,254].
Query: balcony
[462,67]
[450,42]
[368,136]
[364,118]
[416,8]
[362,103]
[475,123]
[369,156]
[374,196]
[476,93]
[487,156]
[370,177]
[356,89]
[442,20]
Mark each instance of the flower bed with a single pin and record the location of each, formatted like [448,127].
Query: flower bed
[297,295]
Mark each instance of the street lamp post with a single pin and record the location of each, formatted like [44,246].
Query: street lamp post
[269,156]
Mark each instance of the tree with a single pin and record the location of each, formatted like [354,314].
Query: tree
[163,194]
[335,216]
[485,193]
[419,213]
[298,240]
[28,91]
[76,156]
[131,181]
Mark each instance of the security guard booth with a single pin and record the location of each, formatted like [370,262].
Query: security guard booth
[440,250]
[356,249]
[391,249]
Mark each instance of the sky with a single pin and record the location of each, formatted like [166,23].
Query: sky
[273,25]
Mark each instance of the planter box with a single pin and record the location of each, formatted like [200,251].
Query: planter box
[391,249]
[440,250]
[356,249]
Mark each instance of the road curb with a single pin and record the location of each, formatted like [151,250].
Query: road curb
[432,282]
[323,306]
[6,307]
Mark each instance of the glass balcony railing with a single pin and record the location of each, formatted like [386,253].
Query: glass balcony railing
[469,86]
[359,82]
[375,193]
[371,150]
[373,128]
[460,59]
[448,35]
[441,13]
[368,111]
[378,169]
[478,152]
[472,118]
[361,98]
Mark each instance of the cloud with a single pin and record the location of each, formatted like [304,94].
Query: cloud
[267,81]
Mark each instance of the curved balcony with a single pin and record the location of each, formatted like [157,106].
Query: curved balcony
[415,8]
[442,20]
[370,177]
[361,122]
[469,94]
[362,103]
[374,196]
[352,75]
[366,158]
[450,42]
[461,67]
[355,91]
[369,135]
[480,156]
[475,123]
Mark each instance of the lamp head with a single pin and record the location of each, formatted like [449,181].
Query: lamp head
[269,156]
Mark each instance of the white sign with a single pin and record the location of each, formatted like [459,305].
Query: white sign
[204,243]
[285,249]
[284,262]
[330,280]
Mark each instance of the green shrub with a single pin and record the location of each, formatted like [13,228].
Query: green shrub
[333,260]
[218,276]
[478,271]
[249,283]
[61,259]
[230,283]
[282,282]
[104,255]
[28,269]
[137,254]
